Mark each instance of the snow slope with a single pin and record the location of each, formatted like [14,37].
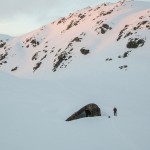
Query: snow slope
[57,47]
[33,113]
[115,72]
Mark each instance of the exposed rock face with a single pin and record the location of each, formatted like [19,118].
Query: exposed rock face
[31,41]
[35,56]
[108,59]
[89,110]
[37,66]
[102,28]
[14,69]
[84,51]
[126,54]
[61,58]
[2,44]
[122,32]
[135,43]
[76,39]
[3,56]
[123,67]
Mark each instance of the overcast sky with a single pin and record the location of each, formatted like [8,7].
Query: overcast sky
[21,16]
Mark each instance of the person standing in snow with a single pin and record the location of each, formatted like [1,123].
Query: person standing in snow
[115,111]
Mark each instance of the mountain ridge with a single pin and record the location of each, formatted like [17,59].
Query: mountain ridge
[56,46]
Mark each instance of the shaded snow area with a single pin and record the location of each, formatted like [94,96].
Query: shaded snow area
[33,113]
[97,55]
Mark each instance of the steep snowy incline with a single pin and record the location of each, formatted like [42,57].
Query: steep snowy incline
[55,48]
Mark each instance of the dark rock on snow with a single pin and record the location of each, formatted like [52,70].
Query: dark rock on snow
[14,69]
[84,51]
[89,110]
[37,66]
[61,58]
[122,67]
[135,43]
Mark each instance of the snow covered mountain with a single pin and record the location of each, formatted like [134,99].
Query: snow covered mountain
[97,55]
[122,29]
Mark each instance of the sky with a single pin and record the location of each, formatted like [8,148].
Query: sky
[18,17]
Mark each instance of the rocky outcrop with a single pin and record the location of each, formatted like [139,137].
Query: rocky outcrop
[84,51]
[135,43]
[102,28]
[60,59]
[2,44]
[14,69]
[76,39]
[123,67]
[89,110]
[37,66]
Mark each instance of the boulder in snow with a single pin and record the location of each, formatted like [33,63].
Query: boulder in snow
[89,110]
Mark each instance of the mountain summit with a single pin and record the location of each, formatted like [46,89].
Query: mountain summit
[107,34]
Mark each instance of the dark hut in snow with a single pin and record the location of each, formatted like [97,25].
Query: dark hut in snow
[89,110]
